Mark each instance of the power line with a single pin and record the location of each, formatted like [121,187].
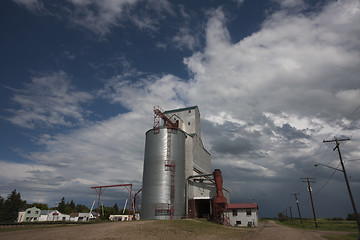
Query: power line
[327,181]
[348,117]
[308,181]
[337,141]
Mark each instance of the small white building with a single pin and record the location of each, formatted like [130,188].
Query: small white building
[243,214]
[30,215]
[81,217]
[124,217]
[54,215]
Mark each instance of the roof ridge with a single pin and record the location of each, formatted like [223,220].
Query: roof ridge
[181,109]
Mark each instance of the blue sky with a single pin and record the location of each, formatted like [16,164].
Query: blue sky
[272,79]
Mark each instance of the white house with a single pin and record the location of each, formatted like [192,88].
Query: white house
[243,214]
[81,217]
[54,215]
[124,217]
[30,215]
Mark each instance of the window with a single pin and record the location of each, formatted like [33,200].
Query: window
[36,212]
[234,212]
[28,212]
[189,123]
[248,212]
[238,222]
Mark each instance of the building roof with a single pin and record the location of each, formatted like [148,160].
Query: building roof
[44,212]
[180,109]
[242,205]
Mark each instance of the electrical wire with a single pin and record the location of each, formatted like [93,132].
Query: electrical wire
[352,160]
[348,117]
[327,181]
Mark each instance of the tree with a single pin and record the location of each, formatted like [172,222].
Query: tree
[82,208]
[61,207]
[116,209]
[72,205]
[41,206]
[1,206]
[281,217]
[11,207]
[351,217]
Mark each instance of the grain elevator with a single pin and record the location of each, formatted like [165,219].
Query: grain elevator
[177,174]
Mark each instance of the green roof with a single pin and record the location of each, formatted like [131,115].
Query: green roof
[192,135]
[180,109]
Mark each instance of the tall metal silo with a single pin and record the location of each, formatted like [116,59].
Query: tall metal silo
[163,193]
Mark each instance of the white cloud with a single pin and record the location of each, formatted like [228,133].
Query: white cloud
[292,83]
[36,6]
[291,3]
[97,16]
[146,92]
[186,38]
[49,100]
[288,66]
[20,171]
[266,102]
[100,17]
[239,2]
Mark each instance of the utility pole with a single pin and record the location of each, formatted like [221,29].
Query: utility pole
[345,176]
[311,180]
[297,203]
[290,213]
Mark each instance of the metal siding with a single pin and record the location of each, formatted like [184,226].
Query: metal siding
[156,180]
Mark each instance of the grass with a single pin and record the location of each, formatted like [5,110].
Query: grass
[35,225]
[157,229]
[199,227]
[328,225]
[323,224]
[28,227]
[352,236]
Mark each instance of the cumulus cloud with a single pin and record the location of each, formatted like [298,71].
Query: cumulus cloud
[266,102]
[186,38]
[140,92]
[49,100]
[282,87]
[101,17]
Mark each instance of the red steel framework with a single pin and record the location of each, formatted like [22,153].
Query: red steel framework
[158,114]
[169,164]
[135,202]
[100,189]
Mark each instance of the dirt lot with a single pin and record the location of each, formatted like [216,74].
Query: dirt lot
[272,231]
[174,230]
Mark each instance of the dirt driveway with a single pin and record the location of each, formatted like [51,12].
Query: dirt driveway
[273,231]
[164,230]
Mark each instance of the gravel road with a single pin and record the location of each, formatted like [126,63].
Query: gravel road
[157,230]
[273,231]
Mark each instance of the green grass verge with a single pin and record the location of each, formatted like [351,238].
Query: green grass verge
[328,225]
[352,236]
[199,227]
[323,224]
[35,225]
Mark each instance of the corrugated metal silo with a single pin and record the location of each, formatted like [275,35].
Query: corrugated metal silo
[163,194]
